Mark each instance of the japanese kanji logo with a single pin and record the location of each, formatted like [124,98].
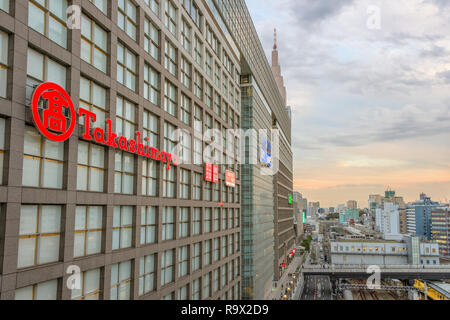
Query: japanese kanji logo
[52,121]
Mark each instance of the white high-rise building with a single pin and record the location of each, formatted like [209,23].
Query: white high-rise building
[387,219]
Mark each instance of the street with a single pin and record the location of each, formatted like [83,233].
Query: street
[317,288]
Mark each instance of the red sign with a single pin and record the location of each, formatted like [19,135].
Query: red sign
[215,176]
[230,179]
[208,172]
[54,120]
[53,124]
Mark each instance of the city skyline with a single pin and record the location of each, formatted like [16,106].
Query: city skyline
[371,105]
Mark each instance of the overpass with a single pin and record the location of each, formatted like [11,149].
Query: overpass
[401,272]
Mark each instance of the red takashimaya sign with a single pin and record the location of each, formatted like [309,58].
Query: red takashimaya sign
[230,179]
[52,124]
[211,172]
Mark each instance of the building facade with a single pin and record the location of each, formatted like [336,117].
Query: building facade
[440,228]
[419,216]
[134,228]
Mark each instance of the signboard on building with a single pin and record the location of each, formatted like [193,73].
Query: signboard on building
[230,179]
[208,171]
[54,116]
[215,174]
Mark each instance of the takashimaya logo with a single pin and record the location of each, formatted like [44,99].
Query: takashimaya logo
[53,122]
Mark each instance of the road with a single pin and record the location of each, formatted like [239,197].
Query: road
[317,288]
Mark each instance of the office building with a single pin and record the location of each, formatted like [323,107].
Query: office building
[440,228]
[135,227]
[352,204]
[419,216]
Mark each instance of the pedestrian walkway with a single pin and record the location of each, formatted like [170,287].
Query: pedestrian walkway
[276,292]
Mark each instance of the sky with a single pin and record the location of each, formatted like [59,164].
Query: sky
[369,85]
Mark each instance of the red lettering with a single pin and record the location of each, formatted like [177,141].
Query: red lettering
[101,138]
[87,122]
[175,160]
[140,148]
[123,143]
[111,136]
[155,154]
[169,158]
[162,155]
[132,148]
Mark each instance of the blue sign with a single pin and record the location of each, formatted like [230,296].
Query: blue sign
[266,152]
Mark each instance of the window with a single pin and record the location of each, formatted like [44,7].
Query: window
[2,147]
[102,5]
[216,192]
[217,75]
[185,110]
[208,64]
[207,252]
[183,223]
[169,137]
[236,218]
[39,235]
[94,44]
[151,39]
[88,230]
[151,84]
[90,286]
[49,18]
[224,247]
[41,291]
[170,99]
[153,5]
[146,274]
[151,128]
[40,69]
[186,73]
[236,242]
[193,11]
[126,67]
[170,58]
[207,191]
[196,256]
[217,104]
[224,112]
[206,282]
[149,222]
[230,218]
[167,267]
[223,275]
[216,253]
[198,85]
[121,281]
[170,18]
[183,261]
[197,187]
[169,183]
[207,221]
[124,173]
[198,48]
[168,223]
[185,146]
[149,177]
[196,221]
[91,167]
[216,219]
[208,95]
[230,244]
[93,98]
[224,219]
[122,227]
[126,17]
[196,289]
[4,5]
[224,192]
[184,184]
[125,118]
[186,35]
[183,293]
[43,161]
[3,63]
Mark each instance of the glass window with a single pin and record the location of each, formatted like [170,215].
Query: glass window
[198,85]
[126,67]
[208,95]
[183,261]
[4,5]
[183,223]
[170,17]
[207,251]
[196,256]
[169,183]
[206,282]
[196,289]
[186,35]
[207,191]
[151,129]
[186,74]
[207,221]
[49,18]
[167,267]
[102,5]
[39,235]
[198,119]
[125,118]
[91,167]
[121,281]
[170,58]
[153,5]
[122,227]
[3,63]
[216,252]
[168,223]
[197,187]
[124,173]
[151,39]
[147,274]
[185,146]
[40,291]
[88,230]
[185,109]
[150,169]
[198,48]
[196,221]
[41,69]
[184,183]
[208,64]
[151,84]
[43,161]
[170,98]
[90,286]
[94,44]
[2,147]
[149,222]
[126,17]
[93,98]
[183,293]
[216,280]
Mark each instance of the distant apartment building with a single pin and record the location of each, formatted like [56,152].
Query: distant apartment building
[440,228]
[419,216]
[352,204]
[382,252]
[387,219]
